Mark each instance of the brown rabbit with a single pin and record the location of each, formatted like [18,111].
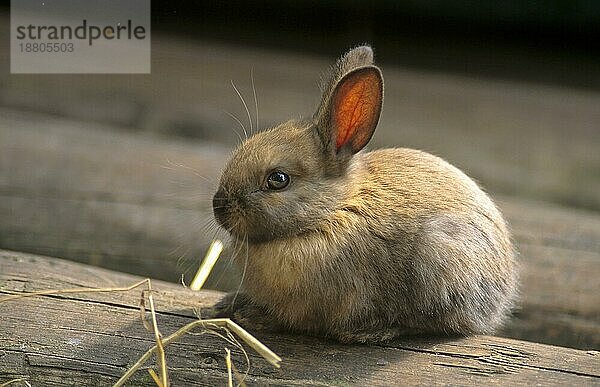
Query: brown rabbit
[360,246]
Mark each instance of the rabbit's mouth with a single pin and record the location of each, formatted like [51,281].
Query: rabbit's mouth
[245,218]
[227,214]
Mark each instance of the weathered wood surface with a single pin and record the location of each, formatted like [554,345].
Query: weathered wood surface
[85,339]
[122,201]
[112,199]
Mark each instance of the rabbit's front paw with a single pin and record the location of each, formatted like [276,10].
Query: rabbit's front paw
[249,316]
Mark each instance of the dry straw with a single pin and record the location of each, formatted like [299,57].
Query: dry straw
[162,379]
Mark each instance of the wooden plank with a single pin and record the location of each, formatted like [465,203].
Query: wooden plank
[113,199]
[559,251]
[135,203]
[92,339]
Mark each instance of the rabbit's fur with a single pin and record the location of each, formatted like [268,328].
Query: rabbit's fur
[361,246]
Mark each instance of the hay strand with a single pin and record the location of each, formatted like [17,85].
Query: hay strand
[228,363]
[213,253]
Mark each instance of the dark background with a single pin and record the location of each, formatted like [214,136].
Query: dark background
[536,41]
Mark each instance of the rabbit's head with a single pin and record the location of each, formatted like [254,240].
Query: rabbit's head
[285,180]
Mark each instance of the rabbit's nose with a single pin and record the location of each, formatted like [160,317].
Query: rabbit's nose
[220,207]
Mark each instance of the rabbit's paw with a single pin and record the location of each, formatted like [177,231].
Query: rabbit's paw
[249,316]
[375,335]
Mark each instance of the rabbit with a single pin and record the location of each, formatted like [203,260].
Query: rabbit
[356,246]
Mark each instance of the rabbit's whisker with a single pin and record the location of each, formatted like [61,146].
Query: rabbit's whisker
[240,123]
[245,107]
[237,292]
[172,166]
[254,93]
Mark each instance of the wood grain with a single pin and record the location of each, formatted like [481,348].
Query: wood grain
[92,339]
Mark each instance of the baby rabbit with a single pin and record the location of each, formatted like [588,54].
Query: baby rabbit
[360,246]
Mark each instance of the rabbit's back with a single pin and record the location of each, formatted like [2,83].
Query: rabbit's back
[449,264]
[418,184]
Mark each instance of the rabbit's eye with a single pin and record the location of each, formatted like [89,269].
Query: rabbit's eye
[278,180]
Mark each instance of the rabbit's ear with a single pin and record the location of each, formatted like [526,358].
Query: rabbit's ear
[352,111]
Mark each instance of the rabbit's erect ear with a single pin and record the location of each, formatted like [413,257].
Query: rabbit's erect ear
[351,104]
[355,107]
